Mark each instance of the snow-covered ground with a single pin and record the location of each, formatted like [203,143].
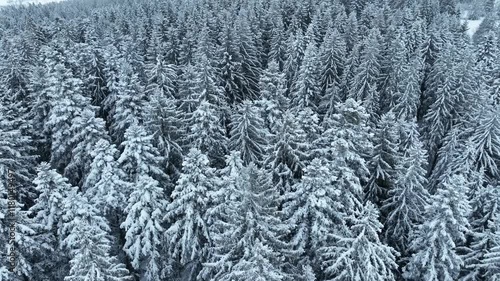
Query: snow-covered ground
[472,25]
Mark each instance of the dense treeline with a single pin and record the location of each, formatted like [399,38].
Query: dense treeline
[250,140]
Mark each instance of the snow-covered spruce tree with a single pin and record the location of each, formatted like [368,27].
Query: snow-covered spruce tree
[277,48]
[408,90]
[289,153]
[434,244]
[385,161]
[17,155]
[207,134]
[308,120]
[163,119]
[332,57]
[487,64]
[47,214]
[347,135]
[312,212]
[88,131]
[140,157]
[248,57]
[245,237]
[96,76]
[306,90]
[87,241]
[440,101]
[228,63]
[408,198]
[161,78]
[188,236]
[17,224]
[332,54]
[248,133]
[394,60]
[143,224]
[39,112]
[360,255]
[67,102]
[490,260]
[188,90]
[273,102]
[17,193]
[105,186]
[90,66]
[294,55]
[49,206]
[486,140]
[206,86]
[126,102]
[363,87]
[484,237]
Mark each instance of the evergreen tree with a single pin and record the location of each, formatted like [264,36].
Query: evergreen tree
[272,101]
[385,161]
[312,212]
[490,260]
[160,78]
[290,153]
[483,220]
[140,157]
[49,206]
[486,142]
[440,100]
[143,226]
[126,102]
[347,139]
[188,235]
[364,84]
[47,213]
[164,121]
[105,186]
[361,256]
[332,57]
[88,243]
[294,56]
[434,244]
[306,88]
[407,200]
[88,131]
[408,91]
[248,134]
[278,48]
[207,134]
[248,55]
[67,102]
[246,244]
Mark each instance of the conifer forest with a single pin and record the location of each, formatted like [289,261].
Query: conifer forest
[250,140]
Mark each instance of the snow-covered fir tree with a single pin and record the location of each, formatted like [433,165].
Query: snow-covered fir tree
[67,103]
[407,200]
[385,161]
[246,244]
[434,243]
[87,240]
[188,234]
[143,224]
[105,185]
[248,133]
[361,255]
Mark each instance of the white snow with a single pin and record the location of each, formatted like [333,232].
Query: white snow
[472,25]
